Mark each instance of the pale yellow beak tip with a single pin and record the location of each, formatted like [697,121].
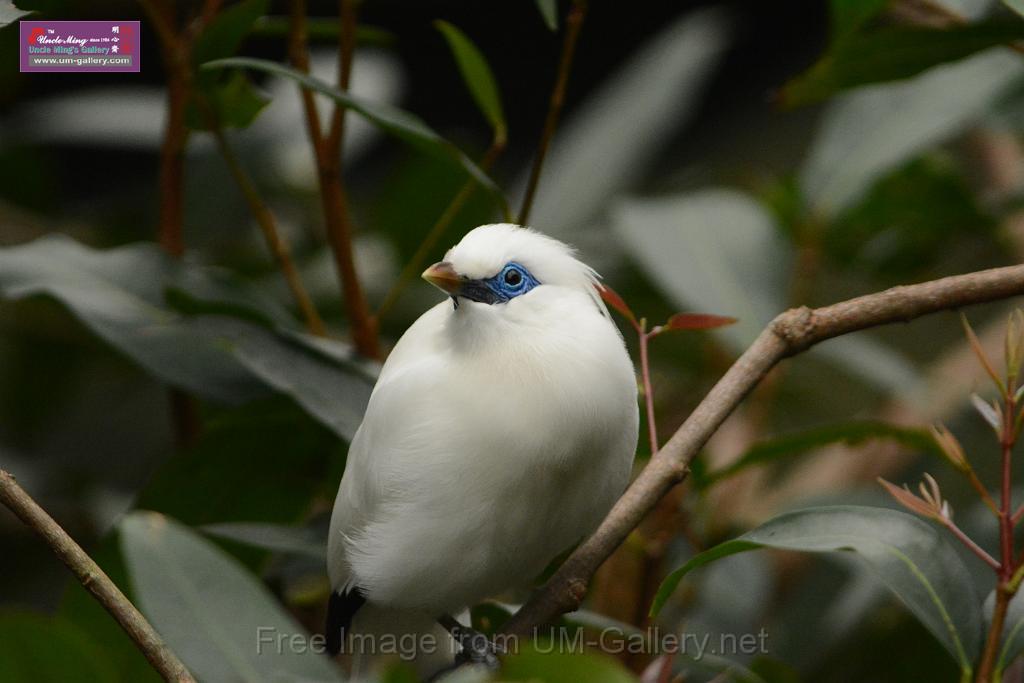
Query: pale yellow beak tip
[443,276]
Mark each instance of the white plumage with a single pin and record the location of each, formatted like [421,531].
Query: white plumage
[500,432]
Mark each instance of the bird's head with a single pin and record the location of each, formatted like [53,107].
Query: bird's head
[497,264]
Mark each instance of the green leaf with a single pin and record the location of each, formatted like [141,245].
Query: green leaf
[477,76]
[333,392]
[400,123]
[893,53]
[45,649]
[239,455]
[222,37]
[908,220]
[235,103]
[1013,629]
[851,433]
[324,29]
[849,15]
[712,250]
[865,134]
[726,668]
[546,662]
[595,157]
[911,557]
[696,321]
[719,250]
[119,294]
[1016,5]
[9,13]
[221,621]
[230,102]
[277,538]
[81,609]
[549,12]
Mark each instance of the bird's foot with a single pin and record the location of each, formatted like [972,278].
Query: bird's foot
[474,647]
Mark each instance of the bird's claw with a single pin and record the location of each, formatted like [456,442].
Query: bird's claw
[476,648]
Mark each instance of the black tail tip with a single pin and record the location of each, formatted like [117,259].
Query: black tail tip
[341,608]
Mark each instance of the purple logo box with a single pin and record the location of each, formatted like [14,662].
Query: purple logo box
[77,46]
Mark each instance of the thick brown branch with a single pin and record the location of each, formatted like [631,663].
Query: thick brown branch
[790,333]
[94,580]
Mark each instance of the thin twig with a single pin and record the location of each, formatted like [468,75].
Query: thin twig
[278,247]
[416,263]
[789,334]
[346,50]
[94,580]
[969,543]
[333,196]
[573,23]
[175,48]
[644,337]
[1007,567]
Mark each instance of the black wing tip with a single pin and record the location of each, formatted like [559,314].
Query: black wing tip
[341,608]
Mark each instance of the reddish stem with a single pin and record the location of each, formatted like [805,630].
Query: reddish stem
[1006,522]
[972,546]
[1008,566]
[645,374]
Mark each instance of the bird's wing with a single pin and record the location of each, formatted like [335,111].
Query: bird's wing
[360,493]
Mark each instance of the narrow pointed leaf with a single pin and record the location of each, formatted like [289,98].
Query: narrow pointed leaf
[278,538]
[124,296]
[697,321]
[987,412]
[222,37]
[907,499]
[1016,5]
[476,74]
[868,132]
[10,14]
[323,29]
[612,298]
[979,352]
[591,161]
[210,609]
[893,53]
[795,444]
[402,124]
[549,12]
[911,557]
[849,15]
[1013,630]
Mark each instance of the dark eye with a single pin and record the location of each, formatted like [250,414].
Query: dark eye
[513,277]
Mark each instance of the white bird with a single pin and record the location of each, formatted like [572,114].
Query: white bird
[500,432]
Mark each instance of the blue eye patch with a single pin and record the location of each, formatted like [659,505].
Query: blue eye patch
[511,281]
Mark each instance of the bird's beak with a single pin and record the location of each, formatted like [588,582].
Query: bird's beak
[444,277]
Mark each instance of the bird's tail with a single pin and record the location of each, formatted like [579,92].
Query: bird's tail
[341,608]
[373,636]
